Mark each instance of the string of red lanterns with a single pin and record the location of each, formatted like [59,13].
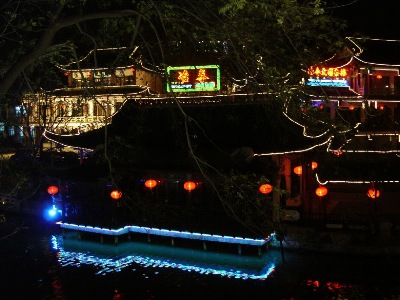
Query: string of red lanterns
[299,169]
[188,185]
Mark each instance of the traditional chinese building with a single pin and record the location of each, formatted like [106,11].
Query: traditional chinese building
[182,116]
[360,88]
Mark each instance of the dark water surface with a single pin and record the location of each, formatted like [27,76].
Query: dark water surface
[36,263]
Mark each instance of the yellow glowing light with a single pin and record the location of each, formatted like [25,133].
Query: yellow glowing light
[327,72]
[201,76]
[183,76]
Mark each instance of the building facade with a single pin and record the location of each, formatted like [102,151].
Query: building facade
[358,91]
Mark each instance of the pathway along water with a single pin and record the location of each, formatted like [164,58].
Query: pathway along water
[36,263]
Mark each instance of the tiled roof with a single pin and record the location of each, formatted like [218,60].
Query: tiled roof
[360,167]
[125,90]
[217,130]
[103,58]
[377,51]
[332,92]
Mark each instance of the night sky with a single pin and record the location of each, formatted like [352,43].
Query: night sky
[371,18]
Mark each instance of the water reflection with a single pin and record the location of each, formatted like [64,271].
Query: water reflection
[109,258]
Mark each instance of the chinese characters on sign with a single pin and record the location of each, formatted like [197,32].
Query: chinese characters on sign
[193,78]
[327,72]
[321,76]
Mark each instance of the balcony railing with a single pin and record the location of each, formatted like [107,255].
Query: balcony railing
[84,120]
[393,92]
[350,219]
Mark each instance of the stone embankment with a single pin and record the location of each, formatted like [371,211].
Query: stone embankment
[332,239]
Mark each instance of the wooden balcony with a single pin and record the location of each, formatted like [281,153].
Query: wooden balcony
[384,93]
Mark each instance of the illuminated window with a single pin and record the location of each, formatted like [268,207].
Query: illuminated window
[20,111]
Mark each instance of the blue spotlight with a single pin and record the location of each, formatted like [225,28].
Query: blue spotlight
[52,214]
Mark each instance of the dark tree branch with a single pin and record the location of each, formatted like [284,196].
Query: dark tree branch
[45,42]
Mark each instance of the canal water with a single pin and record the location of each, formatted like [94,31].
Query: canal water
[37,263]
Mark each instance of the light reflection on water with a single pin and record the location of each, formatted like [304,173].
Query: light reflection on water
[110,258]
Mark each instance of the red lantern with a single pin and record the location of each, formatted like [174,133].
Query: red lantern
[116,194]
[298,170]
[321,191]
[382,107]
[351,107]
[379,76]
[374,193]
[314,165]
[52,190]
[150,183]
[189,186]
[265,188]
[338,152]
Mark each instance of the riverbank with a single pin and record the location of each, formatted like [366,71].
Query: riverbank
[341,240]
[298,237]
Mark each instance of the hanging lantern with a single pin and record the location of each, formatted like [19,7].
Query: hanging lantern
[265,188]
[382,107]
[298,170]
[373,193]
[379,76]
[150,183]
[189,185]
[351,107]
[116,194]
[314,165]
[321,191]
[52,190]
[338,152]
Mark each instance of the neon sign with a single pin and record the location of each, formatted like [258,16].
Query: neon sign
[321,76]
[327,72]
[193,78]
[327,82]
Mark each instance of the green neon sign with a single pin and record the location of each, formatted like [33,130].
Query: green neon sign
[194,78]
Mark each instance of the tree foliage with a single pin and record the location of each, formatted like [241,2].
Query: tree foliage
[266,39]
[257,43]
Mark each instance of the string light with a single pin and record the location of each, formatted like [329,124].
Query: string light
[169,233]
[206,266]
